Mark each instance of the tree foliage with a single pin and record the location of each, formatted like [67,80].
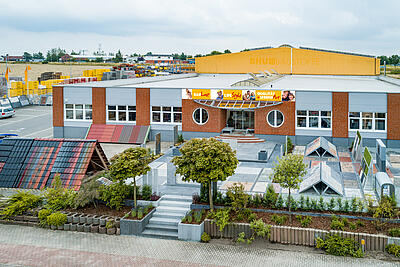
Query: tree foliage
[54,54]
[205,161]
[131,163]
[289,172]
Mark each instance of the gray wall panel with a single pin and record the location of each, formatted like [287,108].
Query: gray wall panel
[77,95]
[367,102]
[313,100]
[75,132]
[121,96]
[58,132]
[166,97]
[327,133]
[364,135]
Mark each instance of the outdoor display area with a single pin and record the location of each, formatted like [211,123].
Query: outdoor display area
[335,195]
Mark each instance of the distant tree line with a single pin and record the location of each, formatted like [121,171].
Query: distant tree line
[392,60]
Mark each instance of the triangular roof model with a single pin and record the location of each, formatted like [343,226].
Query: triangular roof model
[33,163]
[321,147]
[323,180]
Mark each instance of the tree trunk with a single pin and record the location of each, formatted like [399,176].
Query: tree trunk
[210,196]
[134,193]
[289,206]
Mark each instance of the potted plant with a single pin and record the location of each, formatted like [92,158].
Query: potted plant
[134,222]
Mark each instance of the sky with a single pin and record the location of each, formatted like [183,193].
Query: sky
[198,27]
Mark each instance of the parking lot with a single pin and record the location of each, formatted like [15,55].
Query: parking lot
[30,122]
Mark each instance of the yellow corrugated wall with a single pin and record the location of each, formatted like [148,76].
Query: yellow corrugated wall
[303,61]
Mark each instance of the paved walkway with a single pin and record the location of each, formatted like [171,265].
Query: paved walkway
[26,246]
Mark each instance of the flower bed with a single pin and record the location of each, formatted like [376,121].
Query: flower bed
[131,225]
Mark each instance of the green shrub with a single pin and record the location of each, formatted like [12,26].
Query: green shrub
[58,197]
[256,200]
[308,203]
[197,217]
[346,206]
[360,205]
[336,245]
[133,213]
[140,214]
[395,232]
[88,193]
[321,204]
[352,226]
[270,197]
[337,224]
[42,215]
[339,204]
[279,202]
[305,221]
[252,217]
[221,217]
[385,211]
[289,146]
[345,222]
[205,238]
[189,218]
[279,220]
[314,204]
[331,204]
[180,139]
[360,223]
[19,203]
[220,199]
[110,224]
[260,229]
[293,203]
[146,192]
[301,202]
[393,249]
[239,199]
[354,205]
[57,219]
[115,194]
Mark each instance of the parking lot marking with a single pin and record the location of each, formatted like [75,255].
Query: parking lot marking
[12,122]
[38,132]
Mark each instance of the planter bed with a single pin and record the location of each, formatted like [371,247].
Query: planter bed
[135,227]
[299,236]
[190,232]
[328,214]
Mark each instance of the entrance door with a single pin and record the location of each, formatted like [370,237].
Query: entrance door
[241,120]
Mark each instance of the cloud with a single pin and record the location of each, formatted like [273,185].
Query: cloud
[198,26]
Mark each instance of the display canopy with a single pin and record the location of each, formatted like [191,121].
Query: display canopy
[238,99]
[321,147]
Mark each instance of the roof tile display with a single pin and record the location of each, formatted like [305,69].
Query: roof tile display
[125,134]
[33,163]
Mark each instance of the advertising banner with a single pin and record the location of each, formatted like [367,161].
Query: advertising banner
[235,95]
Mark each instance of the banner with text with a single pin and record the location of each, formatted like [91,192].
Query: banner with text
[246,95]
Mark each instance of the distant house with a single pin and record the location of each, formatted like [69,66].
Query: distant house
[153,59]
[15,58]
[65,58]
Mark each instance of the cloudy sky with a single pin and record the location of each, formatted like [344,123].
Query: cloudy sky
[160,26]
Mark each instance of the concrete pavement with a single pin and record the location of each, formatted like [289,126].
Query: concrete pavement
[26,246]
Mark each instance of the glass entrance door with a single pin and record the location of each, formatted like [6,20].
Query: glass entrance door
[241,120]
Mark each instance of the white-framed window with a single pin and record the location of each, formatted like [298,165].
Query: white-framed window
[314,119]
[166,114]
[275,118]
[121,113]
[367,121]
[200,116]
[78,112]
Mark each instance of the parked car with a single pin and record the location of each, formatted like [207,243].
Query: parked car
[6,112]
[2,136]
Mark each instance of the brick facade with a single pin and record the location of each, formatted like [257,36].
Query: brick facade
[340,114]
[261,125]
[58,106]
[143,106]
[99,105]
[393,117]
[216,118]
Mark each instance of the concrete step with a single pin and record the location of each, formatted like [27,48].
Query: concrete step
[160,234]
[167,209]
[177,204]
[171,215]
[165,227]
[164,221]
[176,198]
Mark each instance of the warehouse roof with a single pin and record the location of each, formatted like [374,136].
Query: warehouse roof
[371,84]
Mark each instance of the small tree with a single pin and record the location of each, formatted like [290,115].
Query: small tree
[205,161]
[129,164]
[288,173]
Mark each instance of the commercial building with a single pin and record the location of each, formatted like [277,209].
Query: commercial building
[273,92]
